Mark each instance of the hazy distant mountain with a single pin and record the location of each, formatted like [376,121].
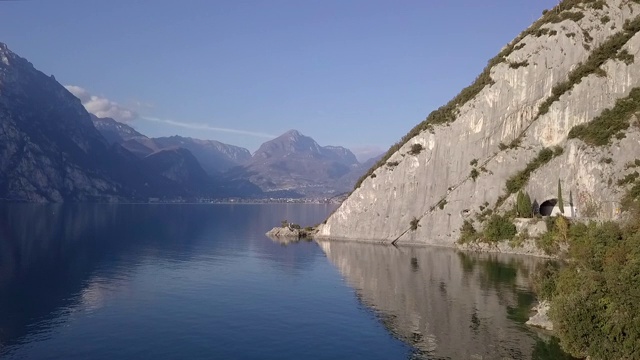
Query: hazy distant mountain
[214,156]
[50,149]
[295,162]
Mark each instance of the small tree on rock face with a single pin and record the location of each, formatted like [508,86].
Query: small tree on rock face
[519,198]
[524,208]
[571,204]
[527,206]
[560,202]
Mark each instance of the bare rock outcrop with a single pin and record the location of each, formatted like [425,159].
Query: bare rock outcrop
[541,318]
[572,65]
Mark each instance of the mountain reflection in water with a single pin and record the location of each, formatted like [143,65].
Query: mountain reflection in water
[447,304]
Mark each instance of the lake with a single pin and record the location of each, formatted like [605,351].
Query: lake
[204,282]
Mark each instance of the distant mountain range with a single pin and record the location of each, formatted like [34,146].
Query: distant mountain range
[214,156]
[52,149]
[294,162]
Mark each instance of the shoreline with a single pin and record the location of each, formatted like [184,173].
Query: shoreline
[502,247]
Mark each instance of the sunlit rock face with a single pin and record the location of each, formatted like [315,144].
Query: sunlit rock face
[445,303]
[435,186]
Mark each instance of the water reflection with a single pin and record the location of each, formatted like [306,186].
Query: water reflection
[447,304]
[54,256]
[55,259]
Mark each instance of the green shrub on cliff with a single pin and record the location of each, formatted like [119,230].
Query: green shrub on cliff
[601,129]
[499,228]
[596,307]
[468,233]
[595,297]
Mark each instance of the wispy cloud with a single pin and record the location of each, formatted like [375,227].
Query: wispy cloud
[206,127]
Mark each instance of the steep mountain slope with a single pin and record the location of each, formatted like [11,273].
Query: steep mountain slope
[49,149]
[294,162]
[510,130]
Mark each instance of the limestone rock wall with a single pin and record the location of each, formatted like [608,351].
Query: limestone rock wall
[435,186]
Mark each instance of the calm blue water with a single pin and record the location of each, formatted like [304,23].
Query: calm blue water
[203,282]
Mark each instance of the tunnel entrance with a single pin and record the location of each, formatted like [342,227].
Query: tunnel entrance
[546,208]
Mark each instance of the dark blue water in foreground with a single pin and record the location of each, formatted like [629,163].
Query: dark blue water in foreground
[203,282]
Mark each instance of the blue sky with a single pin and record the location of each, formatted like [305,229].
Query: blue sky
[356,73]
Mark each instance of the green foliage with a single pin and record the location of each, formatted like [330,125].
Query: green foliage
[515,142]
[524,207]
[474,162]
[391,164]
[605,19]
[595,306]
[474,174]
[520,179]
[499,228]
[629,178]
[598,4]
[630,201]
[557,150]
[468,233]
[541,32]
[600,130]
[484,214]
[544,280]
[416,149]
[414,223]
[571,199]
[442,204]
[558,230]
[560,202]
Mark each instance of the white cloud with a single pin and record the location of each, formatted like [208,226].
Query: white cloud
[101,106]
[197,126]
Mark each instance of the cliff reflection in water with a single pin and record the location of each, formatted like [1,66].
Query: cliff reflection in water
[445,303]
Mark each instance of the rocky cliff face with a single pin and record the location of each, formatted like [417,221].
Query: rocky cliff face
[49,149]
[477,151]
